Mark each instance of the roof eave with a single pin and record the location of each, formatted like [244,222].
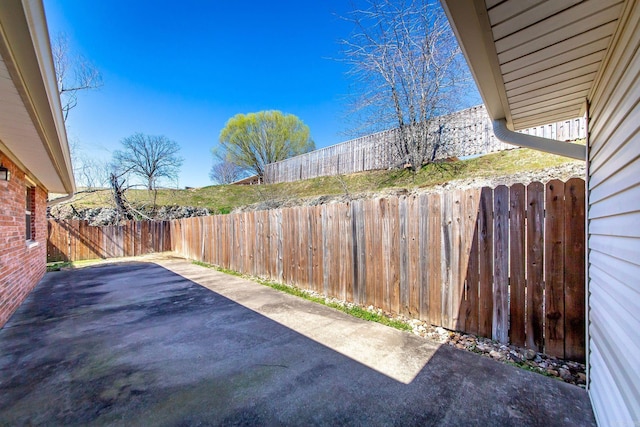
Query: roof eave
[25,48]
[470,24]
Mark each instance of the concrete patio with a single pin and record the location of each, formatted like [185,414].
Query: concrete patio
[160,341]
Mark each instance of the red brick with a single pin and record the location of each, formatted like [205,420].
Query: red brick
[21,268]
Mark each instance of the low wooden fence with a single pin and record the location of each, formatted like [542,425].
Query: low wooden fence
[77,240]
[506,263]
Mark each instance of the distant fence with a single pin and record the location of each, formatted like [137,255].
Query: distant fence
[464,133]
[506,263]
[77,240]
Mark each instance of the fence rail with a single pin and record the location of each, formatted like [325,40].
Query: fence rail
[505,263]
[77,240]
[464,133]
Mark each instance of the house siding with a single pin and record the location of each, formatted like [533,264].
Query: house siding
[614,230]
[22,265]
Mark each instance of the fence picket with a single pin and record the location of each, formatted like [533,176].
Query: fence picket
[535,266]
[574,269]
[554,268]
[434,273]
[413,221]
[485,251]
[517,264]
[500,331]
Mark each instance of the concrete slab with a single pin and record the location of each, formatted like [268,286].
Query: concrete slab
[171,343]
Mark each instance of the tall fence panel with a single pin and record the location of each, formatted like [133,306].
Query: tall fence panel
[493,262]
[463,133]
[76,240]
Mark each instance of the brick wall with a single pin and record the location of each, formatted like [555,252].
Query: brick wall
[22,263]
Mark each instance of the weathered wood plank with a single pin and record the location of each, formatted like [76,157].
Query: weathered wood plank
[425,257]
[500,322]
[574,270]
[434,273]
[535,266]
[468,313]
[457,262]
[447,262]
[404,255]
[359,254]
[317,249]
[394,256]
[413,259]
[384,259]
[485,260]
[381,248]
[347,250]
[327,218]
[300,247]
[279,251]
[370,251]
[469,322]
[517,264]
[554,268]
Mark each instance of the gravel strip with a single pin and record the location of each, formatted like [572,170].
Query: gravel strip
[565,370]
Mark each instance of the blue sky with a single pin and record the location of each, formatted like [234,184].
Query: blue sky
[183,68]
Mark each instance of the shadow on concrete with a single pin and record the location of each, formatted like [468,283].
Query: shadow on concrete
[137,344]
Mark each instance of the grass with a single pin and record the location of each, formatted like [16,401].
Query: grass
[352,310]
[225,198]
[59,265]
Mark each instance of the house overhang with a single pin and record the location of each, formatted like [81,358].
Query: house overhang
[534,62]
[32,132]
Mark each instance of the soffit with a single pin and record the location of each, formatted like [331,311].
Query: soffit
[32,130]
[19,136]
[539,58]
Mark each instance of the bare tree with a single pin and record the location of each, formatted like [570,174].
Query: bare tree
[91,172]
[406,69]
[74,73]
[149,157]
[225,172]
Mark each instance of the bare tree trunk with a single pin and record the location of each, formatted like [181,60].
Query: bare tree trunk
[119,197]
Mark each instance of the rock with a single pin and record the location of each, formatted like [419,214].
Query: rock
[552,372]
[582,378]
[460,346]
[496,355]
[565,374]
[529,354]
[515,358]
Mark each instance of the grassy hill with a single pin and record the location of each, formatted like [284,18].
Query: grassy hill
[225,198]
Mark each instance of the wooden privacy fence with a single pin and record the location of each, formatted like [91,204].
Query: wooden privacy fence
[77,240]
[505,263]
[463,133]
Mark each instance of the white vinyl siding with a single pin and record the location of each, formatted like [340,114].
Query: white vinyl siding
[614,231]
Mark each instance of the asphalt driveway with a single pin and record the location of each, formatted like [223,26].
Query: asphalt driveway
[171,343]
